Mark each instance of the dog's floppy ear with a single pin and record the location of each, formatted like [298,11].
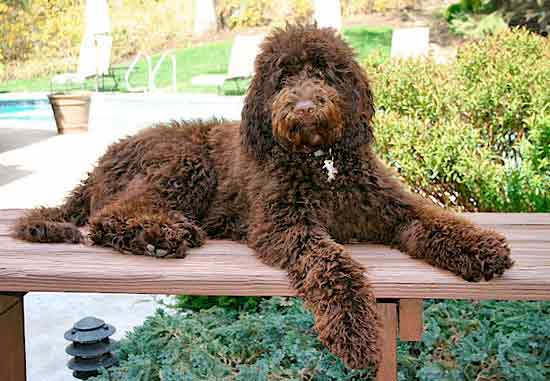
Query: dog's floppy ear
[256,133]
[361,110]
[256,130]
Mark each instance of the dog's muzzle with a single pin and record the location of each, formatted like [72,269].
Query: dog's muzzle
[306,116]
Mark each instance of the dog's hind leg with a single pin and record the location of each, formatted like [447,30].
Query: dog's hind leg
[57,224]
[138,222]
[158,214]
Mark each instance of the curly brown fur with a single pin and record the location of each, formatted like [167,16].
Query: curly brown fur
[262,181]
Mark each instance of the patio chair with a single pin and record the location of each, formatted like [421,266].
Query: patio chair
[241,63]
[94,61]
[410,42]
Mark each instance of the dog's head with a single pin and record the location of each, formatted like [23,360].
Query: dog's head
[308,93]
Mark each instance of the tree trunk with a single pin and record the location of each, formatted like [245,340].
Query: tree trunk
[205,17]
[328,13]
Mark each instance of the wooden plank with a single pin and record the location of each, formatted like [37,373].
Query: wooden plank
[508,218]
[12,338]
[229,268]
[387,371]
[411,322]
[7,301]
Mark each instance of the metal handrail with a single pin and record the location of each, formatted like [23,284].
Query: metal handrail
[152,79]
[131,68]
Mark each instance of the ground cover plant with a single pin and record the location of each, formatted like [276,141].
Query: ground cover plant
[275,340]
[474,136]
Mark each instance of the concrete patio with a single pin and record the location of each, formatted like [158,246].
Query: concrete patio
[39,167]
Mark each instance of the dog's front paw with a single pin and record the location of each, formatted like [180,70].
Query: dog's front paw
[351,329]
[47,231]
[355,339]
[488,256]
[171,240]
[156,237]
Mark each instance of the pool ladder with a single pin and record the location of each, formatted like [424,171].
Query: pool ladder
[151,72]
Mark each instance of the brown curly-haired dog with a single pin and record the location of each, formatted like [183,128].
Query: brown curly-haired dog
[295,179]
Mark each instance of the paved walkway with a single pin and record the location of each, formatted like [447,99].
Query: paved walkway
[38,167]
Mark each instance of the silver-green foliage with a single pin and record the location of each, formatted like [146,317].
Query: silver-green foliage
[274,342]
[462,341]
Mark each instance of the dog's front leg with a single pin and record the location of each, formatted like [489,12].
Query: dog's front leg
[448,241]
[332,284]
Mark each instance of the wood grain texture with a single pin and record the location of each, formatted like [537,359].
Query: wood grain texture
[411,322]
[12,339]
[228,268]
[387,370]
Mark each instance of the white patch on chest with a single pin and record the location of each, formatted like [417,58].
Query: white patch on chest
[328,165]
[330,169]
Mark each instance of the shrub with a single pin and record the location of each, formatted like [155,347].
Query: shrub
[532,14]
[235,14]
[276,343]
[361,7]
[44,28]
[463,7]
[473,134]
[462,341]
[447,161]
[233,303]
[504,81]
[476,26]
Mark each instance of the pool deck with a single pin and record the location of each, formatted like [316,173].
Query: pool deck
[39,167]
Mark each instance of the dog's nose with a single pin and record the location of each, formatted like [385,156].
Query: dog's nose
[304,107]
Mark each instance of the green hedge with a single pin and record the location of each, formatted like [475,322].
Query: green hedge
[474,134]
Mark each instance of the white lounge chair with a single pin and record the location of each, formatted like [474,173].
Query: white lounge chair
[241,62]
[94,60]
[410,42]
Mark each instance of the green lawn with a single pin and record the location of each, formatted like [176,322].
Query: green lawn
[210,58]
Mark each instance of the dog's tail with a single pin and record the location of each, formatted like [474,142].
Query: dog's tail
[57,224]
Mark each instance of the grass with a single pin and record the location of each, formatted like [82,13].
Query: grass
[210,58]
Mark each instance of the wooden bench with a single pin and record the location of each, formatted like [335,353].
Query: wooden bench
[226,268]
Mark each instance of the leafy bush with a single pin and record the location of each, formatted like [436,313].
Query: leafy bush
[532,14]
[466,134]
[477,26]
[233,303]
[462,341]
[447,161]
[43,28]
[361,7]
[463,7]
[235,14]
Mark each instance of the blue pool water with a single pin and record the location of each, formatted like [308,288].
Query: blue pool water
[26,110]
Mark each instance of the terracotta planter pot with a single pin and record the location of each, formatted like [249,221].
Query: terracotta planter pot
[71,111]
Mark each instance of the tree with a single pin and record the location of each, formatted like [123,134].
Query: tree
[205,17]
[328,13]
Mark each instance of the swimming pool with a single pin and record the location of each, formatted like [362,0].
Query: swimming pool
[20,110]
